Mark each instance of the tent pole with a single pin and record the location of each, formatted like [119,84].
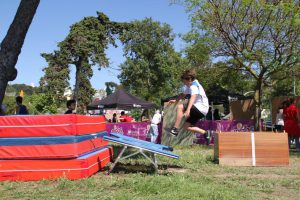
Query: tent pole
[212,111]
[212,116]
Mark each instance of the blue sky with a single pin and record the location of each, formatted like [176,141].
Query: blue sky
[54,17]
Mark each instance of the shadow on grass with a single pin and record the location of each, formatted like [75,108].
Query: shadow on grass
[211,159]
[294,153]
[137,164]
[122,168]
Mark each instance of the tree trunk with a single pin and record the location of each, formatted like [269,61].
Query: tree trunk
[258,102]
[78,66]
[13,42]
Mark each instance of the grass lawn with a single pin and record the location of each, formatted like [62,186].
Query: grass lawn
[194,176]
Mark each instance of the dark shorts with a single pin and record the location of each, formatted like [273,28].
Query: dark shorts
[279,128]
[195,115]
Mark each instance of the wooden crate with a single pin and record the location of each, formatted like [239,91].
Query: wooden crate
[251,149]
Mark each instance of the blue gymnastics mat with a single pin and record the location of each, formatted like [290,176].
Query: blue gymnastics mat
[140,146]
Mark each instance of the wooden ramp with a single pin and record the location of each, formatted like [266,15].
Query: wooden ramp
[251,149]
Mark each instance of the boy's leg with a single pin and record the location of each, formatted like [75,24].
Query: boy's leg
[179,115]
[194,129]
[151,133]
[155,133]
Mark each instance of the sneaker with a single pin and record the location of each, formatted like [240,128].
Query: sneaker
[207,136]
[174,131]
[167,148]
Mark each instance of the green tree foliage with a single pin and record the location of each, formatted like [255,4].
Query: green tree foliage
[261,37]
[36,102]
[110,87]
[224,75]
[197,52]
[41,103]
[85,91]
[108,91]
[56,77]
[10,103]
[27,89]
[84,47]
[152,67]
[287,87]
[13,41]
[13,90]
[283,86]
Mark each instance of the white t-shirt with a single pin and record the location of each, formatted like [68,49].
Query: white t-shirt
[201,101]
[156,118]
[279,118]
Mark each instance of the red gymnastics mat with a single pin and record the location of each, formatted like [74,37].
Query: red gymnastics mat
[51,147]
[50,125]
[34,170]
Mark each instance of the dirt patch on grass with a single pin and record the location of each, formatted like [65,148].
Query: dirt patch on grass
[176,170]
[284,193]
[267,185]
[267,176]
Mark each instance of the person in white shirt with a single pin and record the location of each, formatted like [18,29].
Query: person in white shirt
[279,123]
[154,126]
[195,109]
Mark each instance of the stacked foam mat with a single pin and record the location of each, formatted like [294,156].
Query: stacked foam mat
[52,146]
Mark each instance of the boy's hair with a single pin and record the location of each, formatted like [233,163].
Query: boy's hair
[70,102]
[189,73]
[19,99]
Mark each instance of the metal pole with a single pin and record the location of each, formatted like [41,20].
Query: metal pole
[212,111]
[117,160]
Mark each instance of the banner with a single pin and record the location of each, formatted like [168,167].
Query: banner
[138,130]
[223,126]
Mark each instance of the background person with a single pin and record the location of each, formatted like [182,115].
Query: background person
[125,118]
[156,120]
[114,118]
[145,116]
[20,108]
[279,123]
[71,105]
[290,114]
